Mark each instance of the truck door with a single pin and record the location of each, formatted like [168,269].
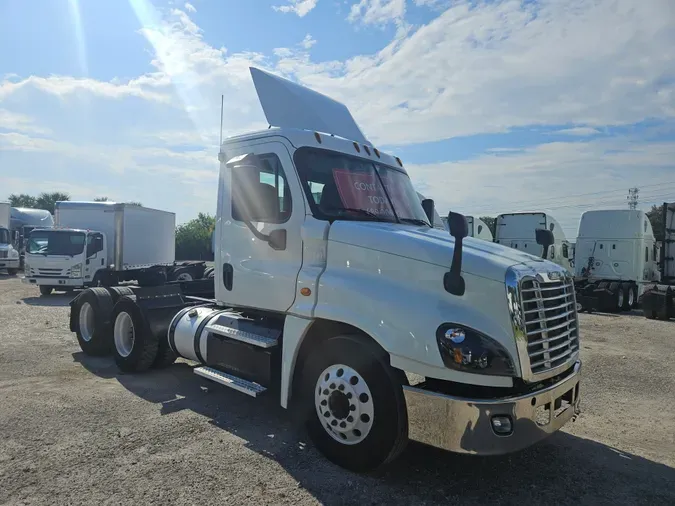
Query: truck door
[260,257]
[95,256]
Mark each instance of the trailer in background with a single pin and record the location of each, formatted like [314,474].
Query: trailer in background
[658,300]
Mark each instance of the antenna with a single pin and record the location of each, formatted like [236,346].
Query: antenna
[633,195]
[222,101]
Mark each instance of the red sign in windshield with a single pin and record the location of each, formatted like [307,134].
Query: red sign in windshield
[362,191]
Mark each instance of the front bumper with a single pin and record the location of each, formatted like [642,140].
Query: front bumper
[9,263]
[465,425]
[38,281]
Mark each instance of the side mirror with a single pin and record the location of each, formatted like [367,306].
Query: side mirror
[458,226]
[453,282]
[545,238]
[428,206]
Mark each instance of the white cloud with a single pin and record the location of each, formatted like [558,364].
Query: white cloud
[308,41]
[20,123]
[377,12]
[189,7]
[556,177]
[299,7]
[578,131]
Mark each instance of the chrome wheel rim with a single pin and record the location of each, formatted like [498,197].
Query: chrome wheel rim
[86,321]
[124,334]
[344,404]
[184,276]
[631,298]
[620,298]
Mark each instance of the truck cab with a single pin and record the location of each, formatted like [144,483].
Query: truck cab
[517,230]
[64,258]
[479,229]
[9,256]
[334,293]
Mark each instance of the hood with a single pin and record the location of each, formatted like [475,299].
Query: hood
[424,244]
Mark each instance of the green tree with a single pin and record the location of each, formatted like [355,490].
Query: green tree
[101,199]
[655,215]
[48,200]
[22,200]
[133,203]
[491,223]
[193,239]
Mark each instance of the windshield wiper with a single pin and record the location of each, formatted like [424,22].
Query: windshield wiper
[362,212]
[415,221]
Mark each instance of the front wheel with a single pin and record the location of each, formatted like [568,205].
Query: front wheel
[46,290]
[12,272]
[356,413]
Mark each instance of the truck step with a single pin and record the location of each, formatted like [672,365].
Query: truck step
[242,335]
[229,380]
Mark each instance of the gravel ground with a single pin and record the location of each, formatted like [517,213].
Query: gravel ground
[75,431]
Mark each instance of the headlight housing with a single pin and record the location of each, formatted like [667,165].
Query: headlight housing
[76,271]
[467,350]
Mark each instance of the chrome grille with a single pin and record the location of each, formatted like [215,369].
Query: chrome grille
[52,272]
[550,319]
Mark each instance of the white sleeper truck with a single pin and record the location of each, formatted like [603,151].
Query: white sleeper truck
[335,293]
[517,230]
[479,229]
[616,258]
[658,300]
[104,244]
[9,256]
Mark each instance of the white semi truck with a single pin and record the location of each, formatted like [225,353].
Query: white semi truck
[334,291]
[616,258]
[105,243]
[517,230]
[479,229]
[658,300]
[22,221]
[9,256]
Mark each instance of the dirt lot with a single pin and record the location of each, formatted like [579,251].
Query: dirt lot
[75,431]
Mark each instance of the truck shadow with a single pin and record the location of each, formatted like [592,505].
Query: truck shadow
[563,469]
[53,300]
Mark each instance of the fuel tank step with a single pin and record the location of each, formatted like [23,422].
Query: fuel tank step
[242,335]
[229,380]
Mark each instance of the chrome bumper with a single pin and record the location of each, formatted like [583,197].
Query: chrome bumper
[465,425]
[9,263]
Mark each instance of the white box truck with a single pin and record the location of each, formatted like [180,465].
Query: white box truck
[658,301]
[9,256]
[517,230]
[616,258]
[105,243]
[333,291]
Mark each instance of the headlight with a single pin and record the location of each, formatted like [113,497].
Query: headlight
[467,350]
[76,271]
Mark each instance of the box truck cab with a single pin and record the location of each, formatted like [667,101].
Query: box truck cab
[616,256]
[517,230]
[9,256]
[334,293]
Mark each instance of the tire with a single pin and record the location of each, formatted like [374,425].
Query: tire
[12,272]
[636,302]
[211,274]
[165,355]
[208,273]
[182,274]
[134,345]
[119,291]
[46,290]
[90,320]
[380,432]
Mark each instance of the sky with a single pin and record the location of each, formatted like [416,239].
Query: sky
[494,106]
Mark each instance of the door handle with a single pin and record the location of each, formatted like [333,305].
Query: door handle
[228,276]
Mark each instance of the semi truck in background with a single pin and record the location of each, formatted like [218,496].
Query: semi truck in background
[517,230]
[616,258]
[479,229]
[9,256]
[658,300]
[334,292]
[22,221]
[105,243]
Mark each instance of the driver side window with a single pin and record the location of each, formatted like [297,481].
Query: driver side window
[94,244]
[261,191]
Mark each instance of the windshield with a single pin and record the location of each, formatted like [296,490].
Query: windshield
[4,236]
[339,186]
[52,242]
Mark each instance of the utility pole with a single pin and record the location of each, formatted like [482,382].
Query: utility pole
[633,195]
